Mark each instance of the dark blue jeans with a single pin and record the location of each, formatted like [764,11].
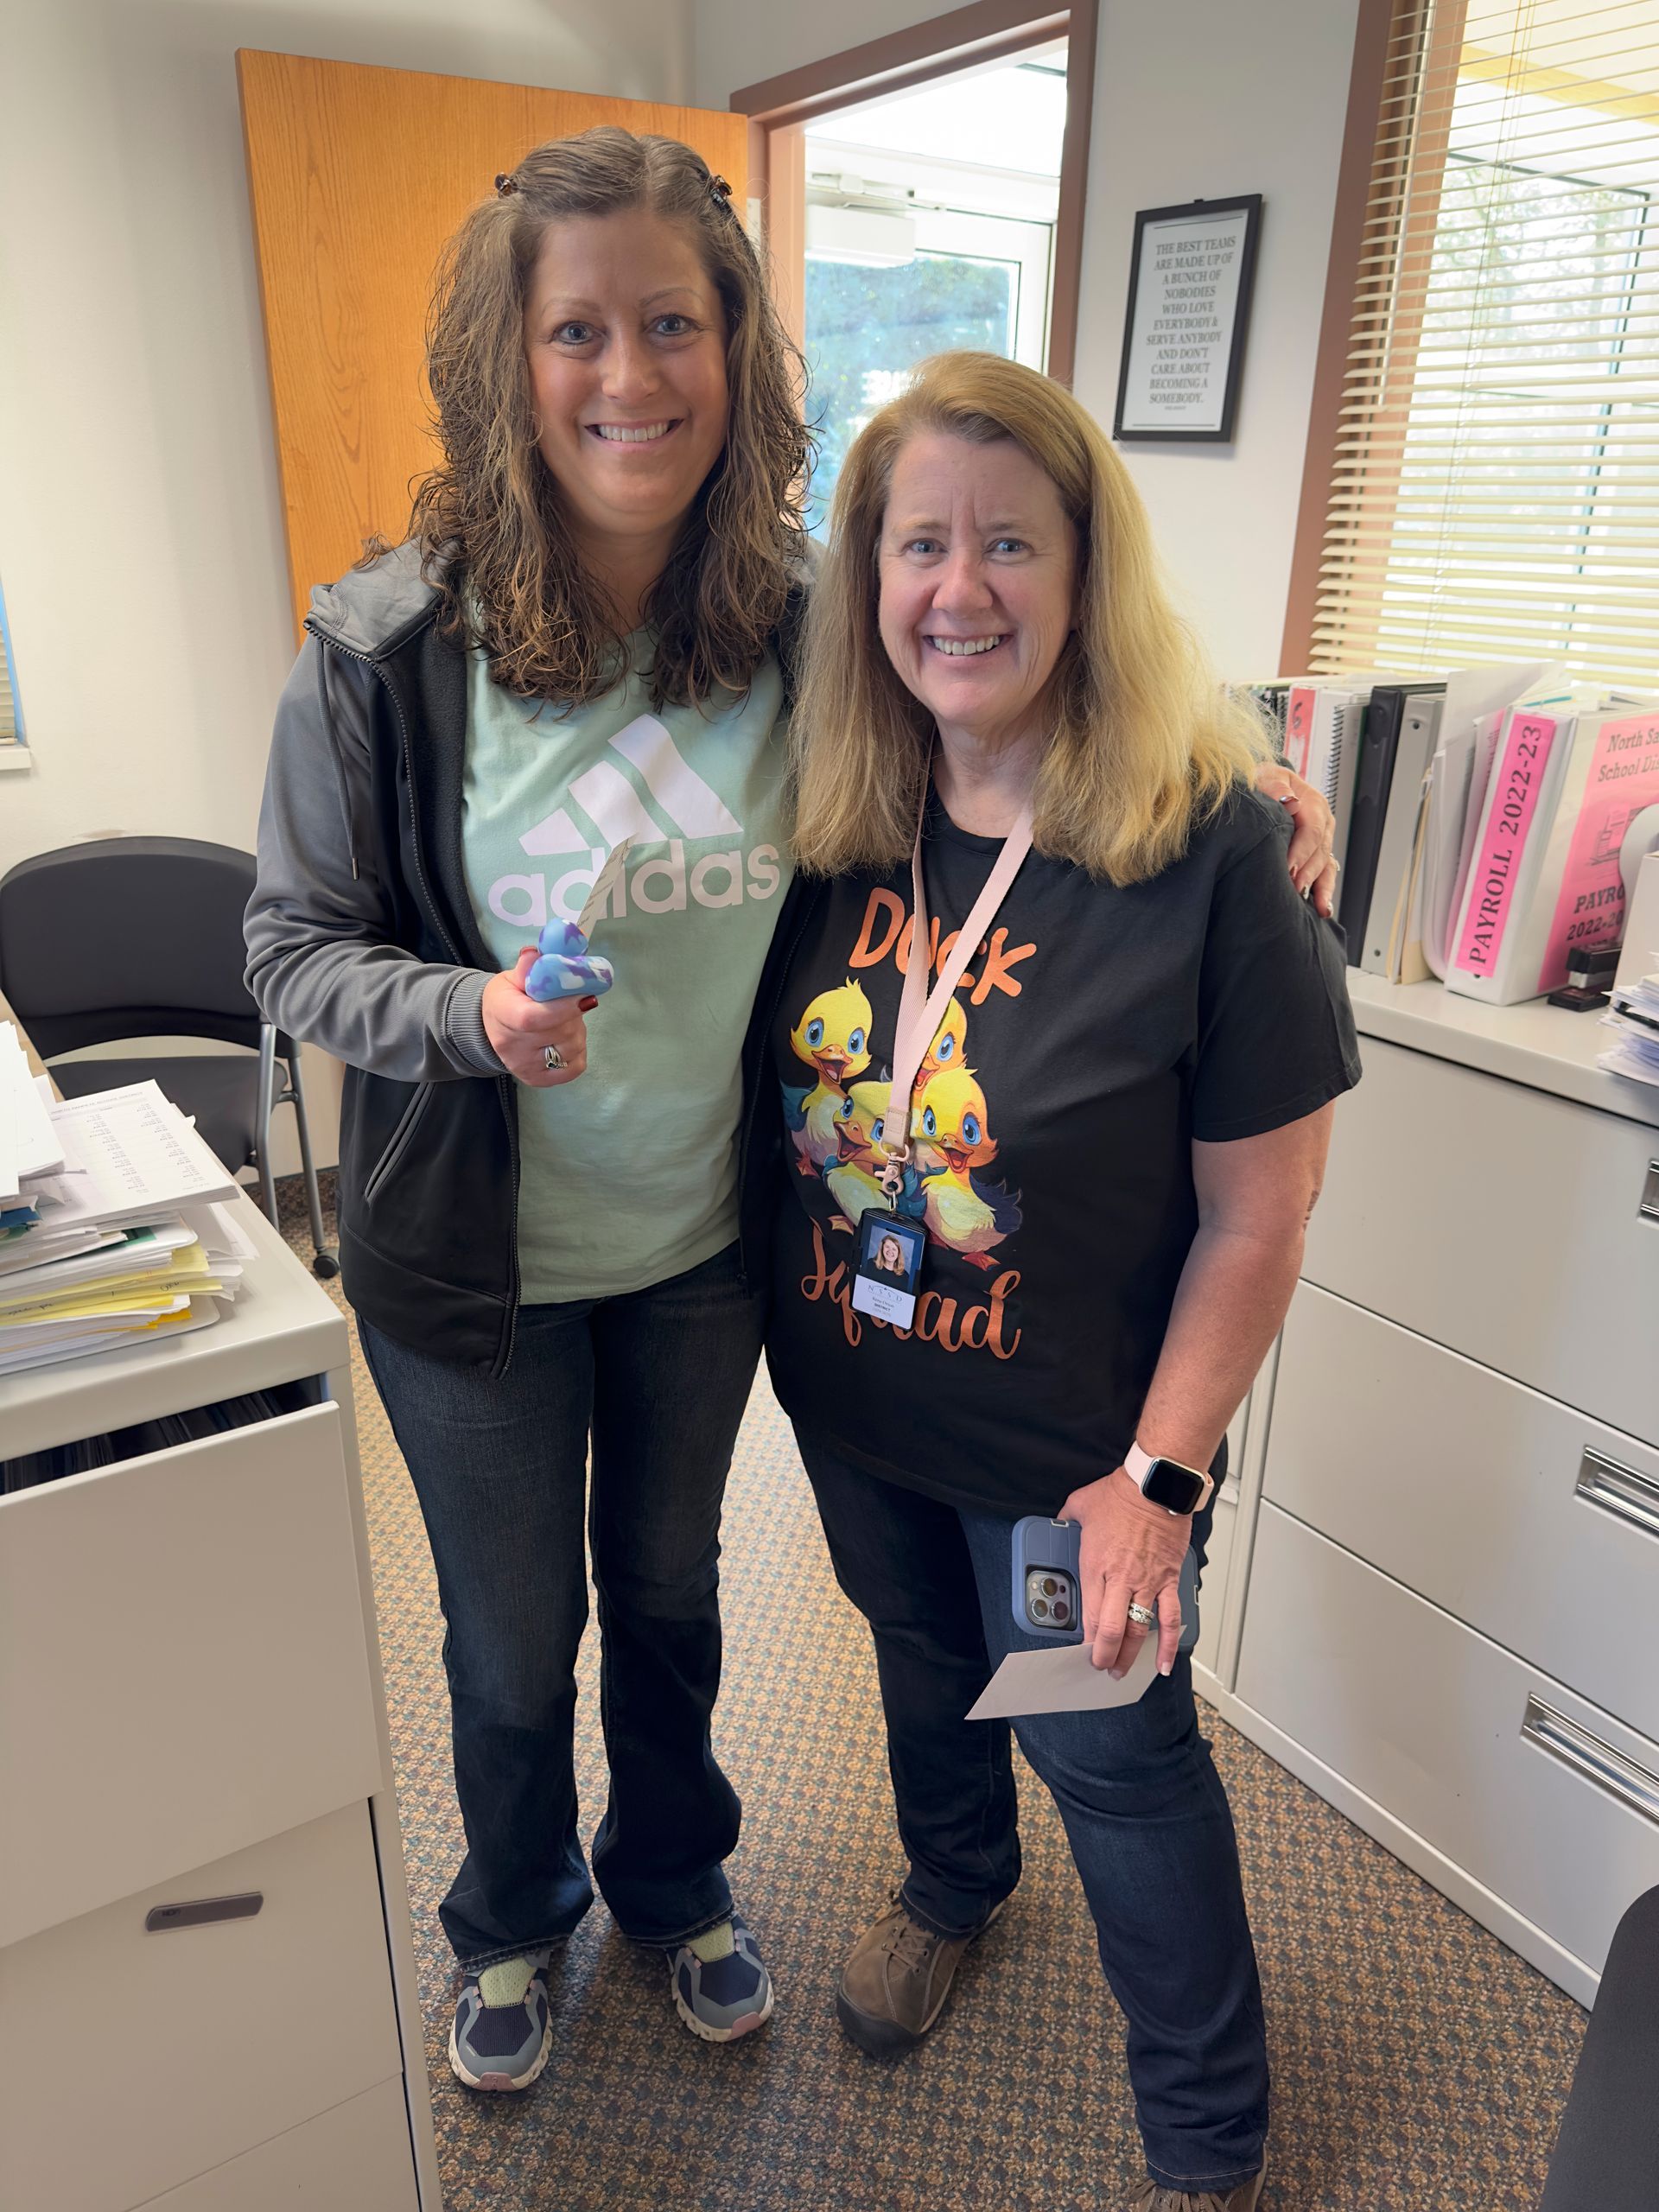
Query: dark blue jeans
[658,1381]
[1144,1810]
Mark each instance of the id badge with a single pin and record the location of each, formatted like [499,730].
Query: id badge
[887,1273]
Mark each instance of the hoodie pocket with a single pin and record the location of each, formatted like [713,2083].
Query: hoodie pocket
[397,1143]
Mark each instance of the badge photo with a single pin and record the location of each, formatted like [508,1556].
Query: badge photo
[889,1268]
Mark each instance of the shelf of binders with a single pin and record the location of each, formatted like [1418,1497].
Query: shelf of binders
[1485,821]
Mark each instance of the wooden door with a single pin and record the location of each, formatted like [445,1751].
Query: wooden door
[358,176]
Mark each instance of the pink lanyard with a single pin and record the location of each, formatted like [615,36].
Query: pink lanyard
[918,1023]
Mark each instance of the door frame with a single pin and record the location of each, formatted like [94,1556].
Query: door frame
[779,109]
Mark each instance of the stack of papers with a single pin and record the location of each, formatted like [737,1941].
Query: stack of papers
[113,1230]
[1634,1014]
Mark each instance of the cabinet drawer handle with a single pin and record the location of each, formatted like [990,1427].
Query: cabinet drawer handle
[1588,1755]
[198,1912]
[1624,1490]
[1648,1208]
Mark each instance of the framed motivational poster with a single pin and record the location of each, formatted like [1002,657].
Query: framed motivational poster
[1190,279]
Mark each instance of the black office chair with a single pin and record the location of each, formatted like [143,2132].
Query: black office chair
[142,936]
[1607,2154]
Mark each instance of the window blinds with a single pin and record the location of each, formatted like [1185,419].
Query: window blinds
[1495,488]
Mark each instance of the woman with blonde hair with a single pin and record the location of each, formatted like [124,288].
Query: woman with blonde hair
[584,643]
[1027,833]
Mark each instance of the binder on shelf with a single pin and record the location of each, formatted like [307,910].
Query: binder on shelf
[1470,718]
[1608,775]
[1522,846]
[1400,846]
[1375,777]
[1323,735]
[1407,963]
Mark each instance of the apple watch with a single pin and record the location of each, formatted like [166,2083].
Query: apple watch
[1168,1482]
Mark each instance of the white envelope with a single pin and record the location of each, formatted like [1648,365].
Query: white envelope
[1062,1680]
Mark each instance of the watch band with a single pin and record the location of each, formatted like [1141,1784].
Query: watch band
[1168,1477]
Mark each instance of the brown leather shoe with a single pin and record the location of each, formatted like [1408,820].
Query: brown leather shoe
[893,1987]
[1149,2197]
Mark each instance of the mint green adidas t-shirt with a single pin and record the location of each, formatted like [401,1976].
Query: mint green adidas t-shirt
[629,1175]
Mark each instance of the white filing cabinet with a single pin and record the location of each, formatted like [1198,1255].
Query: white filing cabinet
[1442,1602]
[191,1708]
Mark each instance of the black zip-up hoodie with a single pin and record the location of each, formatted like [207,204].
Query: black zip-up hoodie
[361,939]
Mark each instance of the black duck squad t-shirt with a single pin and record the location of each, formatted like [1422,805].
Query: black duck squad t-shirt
[1095,1034]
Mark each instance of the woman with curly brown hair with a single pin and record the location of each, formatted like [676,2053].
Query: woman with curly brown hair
[584,642]
[579,643]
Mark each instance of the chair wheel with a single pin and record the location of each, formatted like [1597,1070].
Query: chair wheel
[325,1265]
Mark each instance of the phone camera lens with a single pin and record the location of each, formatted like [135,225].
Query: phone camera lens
[1049,1585]
[1061,1610]
[1040,1609]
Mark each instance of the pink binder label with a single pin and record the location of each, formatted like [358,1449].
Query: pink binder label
[1520,771]
[1623,778]
[1299,726]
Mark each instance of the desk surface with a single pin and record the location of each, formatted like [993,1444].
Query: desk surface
[1542,1046]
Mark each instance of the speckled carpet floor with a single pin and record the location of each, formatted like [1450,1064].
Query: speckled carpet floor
[1418,2065]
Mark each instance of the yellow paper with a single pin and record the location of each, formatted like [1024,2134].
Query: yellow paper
[187,1270]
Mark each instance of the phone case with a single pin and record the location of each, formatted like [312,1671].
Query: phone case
[1039,1543]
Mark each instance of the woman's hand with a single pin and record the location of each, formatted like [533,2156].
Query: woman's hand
[1132,1552]
[1314,863]
[520,1028]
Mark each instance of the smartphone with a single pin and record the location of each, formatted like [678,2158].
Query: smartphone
[1046,1601]
[1046,1586]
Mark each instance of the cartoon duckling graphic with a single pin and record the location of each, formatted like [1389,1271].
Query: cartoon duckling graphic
[853,1173]
[948,1122]
[832,1038]
[949,1045]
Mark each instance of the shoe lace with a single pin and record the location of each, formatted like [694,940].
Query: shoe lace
[1149,2197]
[911,1943]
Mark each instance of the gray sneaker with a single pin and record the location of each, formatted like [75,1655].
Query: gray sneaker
[721,1988]
[503,2028]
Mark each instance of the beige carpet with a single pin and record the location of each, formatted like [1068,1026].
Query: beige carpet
[1418,2065]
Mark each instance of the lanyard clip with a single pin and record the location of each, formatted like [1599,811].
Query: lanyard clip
[892,1177]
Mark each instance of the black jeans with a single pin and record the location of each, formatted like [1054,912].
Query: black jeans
[1144,1810]
[659,1380]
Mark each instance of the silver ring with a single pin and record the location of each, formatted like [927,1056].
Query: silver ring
[552,1058]
[1142,1616]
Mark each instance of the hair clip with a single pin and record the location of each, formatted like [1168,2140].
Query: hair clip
[506,184]
[722,190]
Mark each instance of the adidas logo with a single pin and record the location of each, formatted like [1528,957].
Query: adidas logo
[611,809]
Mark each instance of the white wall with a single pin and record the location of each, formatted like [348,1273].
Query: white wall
[1193,98]
[1206,99]
[140,531]
[141,548]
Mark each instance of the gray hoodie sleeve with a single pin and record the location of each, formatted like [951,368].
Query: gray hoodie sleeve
[322,963]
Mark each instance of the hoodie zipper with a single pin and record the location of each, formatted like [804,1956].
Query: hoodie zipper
[503,1083]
